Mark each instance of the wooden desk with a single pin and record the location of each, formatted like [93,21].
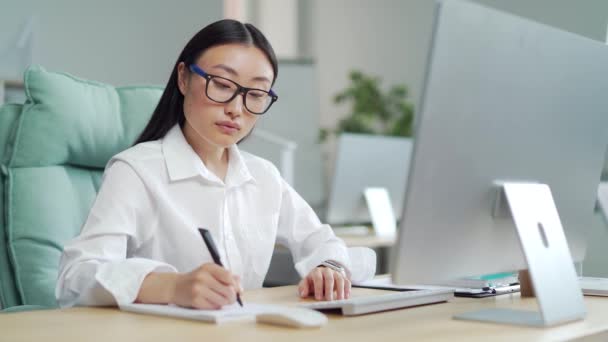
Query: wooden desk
[425,323]
[371,241]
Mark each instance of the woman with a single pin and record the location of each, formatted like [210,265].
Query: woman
[140,242]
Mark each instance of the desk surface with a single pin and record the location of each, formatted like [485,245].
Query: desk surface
[431,322]
[371,241]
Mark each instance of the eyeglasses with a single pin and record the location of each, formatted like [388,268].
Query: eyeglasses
[223,90]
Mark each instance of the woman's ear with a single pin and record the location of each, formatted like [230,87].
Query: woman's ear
[182,78]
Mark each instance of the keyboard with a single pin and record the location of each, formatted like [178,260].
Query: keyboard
[382,302]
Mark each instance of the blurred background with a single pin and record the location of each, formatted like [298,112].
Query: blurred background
[320,43]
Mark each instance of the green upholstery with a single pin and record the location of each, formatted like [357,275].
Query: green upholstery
[67,131]
[8,292]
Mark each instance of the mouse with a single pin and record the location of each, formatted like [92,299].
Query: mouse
[293,317]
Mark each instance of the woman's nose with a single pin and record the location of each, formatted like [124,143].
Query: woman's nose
[236,106]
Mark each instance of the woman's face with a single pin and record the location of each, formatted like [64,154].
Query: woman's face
[223,124]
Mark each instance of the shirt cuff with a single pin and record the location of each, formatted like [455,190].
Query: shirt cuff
[337,253]
[123,279]
[363,263]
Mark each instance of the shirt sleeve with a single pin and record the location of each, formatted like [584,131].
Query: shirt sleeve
[95,268]
[312,242]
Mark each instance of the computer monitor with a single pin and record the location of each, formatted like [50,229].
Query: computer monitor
[506,101]
[365,161]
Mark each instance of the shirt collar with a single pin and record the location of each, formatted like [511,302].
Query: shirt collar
[238,172]
[182,162]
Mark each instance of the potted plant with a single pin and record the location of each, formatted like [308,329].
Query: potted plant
[353,191]
[373,111]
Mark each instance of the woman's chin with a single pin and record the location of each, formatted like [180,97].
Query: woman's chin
[226,141]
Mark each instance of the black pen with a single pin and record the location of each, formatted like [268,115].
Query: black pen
[214,253]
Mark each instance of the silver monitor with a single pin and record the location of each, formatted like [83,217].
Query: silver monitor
[506,100]
[365,161]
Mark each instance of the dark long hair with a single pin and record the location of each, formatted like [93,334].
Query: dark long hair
[170,108]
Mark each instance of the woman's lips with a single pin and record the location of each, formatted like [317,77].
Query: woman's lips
[228,127]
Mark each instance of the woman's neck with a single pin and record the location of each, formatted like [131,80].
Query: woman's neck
[215,158]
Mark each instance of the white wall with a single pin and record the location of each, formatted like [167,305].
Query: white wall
[113,41]
[294,117]
[279,22]
[390,38]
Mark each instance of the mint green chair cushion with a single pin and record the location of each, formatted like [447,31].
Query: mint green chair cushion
[8,293]
[67,131]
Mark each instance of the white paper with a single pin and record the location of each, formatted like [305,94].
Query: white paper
[226,314]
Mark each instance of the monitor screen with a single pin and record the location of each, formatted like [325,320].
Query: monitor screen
[505,99]
[366,161]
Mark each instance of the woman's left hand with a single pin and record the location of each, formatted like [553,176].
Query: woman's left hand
[325,284]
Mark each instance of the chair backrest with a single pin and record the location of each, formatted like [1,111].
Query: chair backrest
[8,293]
[66,132]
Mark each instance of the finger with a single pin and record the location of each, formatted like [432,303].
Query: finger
[222,275]
[339,286]
[317,278]
[328,279]
[303,288]
[226,291]
[239,286]
[229,283]
[214,299]
[204,304]
[311,286]
[347,288]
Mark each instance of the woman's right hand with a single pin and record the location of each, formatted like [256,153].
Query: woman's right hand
[208,287]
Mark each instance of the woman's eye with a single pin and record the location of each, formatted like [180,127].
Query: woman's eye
[257,94]
[221,84]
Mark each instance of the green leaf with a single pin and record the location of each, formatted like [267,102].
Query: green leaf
[371,108]
[323,135]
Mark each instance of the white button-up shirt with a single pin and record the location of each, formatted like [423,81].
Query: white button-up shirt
[153,198]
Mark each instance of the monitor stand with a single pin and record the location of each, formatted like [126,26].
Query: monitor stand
[552,274]
[602,198]
[593,285]
[381,212]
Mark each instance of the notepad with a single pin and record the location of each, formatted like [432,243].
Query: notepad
[226,314]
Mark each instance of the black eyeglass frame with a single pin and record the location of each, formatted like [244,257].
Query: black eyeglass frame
[239,89]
